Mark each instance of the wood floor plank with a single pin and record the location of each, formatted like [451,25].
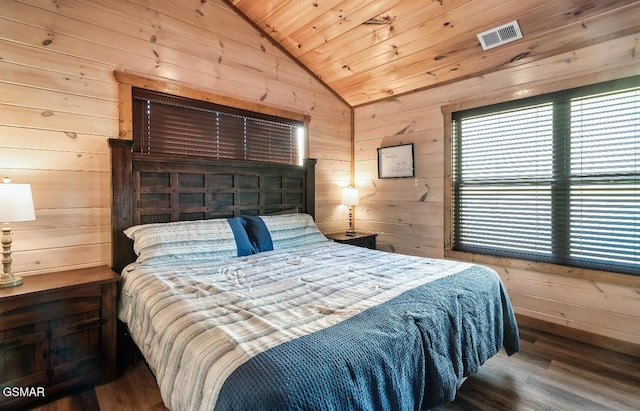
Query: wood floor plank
[81,399]
[555,396]
[549,373]
[136,389]
[604,392]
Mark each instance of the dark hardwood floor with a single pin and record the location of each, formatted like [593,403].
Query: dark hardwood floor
[552,373]
[549,373]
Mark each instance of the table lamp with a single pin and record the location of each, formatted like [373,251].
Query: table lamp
[16,204]
[350,198]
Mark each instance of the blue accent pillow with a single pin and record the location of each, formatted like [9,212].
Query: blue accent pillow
[258,233]
[243,244]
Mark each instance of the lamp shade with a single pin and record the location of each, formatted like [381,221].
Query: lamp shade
[350,196]
[16,203]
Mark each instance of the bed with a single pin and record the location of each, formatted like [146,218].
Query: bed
[247,305]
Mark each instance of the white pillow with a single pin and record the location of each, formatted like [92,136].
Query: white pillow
[201,239]
[292,230]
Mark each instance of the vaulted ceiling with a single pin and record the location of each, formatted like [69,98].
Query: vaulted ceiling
[367,50]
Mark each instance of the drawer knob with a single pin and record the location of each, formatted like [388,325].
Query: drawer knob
[60,350]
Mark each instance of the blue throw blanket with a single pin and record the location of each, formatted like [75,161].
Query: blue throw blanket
[411,352]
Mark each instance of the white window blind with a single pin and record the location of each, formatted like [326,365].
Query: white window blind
[554,178]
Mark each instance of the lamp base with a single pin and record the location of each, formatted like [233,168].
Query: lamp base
[350,233]
[10,281]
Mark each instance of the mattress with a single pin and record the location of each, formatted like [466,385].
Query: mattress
[314,326]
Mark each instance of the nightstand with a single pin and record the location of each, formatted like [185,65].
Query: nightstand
[360,239]
[57,331]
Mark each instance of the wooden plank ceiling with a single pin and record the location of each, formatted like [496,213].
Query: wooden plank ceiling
[368,50]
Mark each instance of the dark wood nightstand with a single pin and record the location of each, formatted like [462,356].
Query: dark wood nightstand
[57,331]
[365,240]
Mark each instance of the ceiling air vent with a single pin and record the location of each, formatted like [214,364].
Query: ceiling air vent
[500,35]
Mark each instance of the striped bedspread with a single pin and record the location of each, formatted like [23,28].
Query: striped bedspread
[205,327]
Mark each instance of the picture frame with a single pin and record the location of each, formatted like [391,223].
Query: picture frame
[396,161]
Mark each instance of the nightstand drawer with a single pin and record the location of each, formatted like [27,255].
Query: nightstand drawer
[21,311]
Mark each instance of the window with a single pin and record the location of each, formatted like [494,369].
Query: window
[164,124]
[554,178]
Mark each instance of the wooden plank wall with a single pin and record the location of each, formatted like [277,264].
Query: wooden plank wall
[408,214]
[58,106]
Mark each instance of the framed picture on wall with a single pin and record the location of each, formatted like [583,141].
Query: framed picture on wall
[396,161]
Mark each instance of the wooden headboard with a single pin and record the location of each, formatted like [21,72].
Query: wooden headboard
[158,188]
